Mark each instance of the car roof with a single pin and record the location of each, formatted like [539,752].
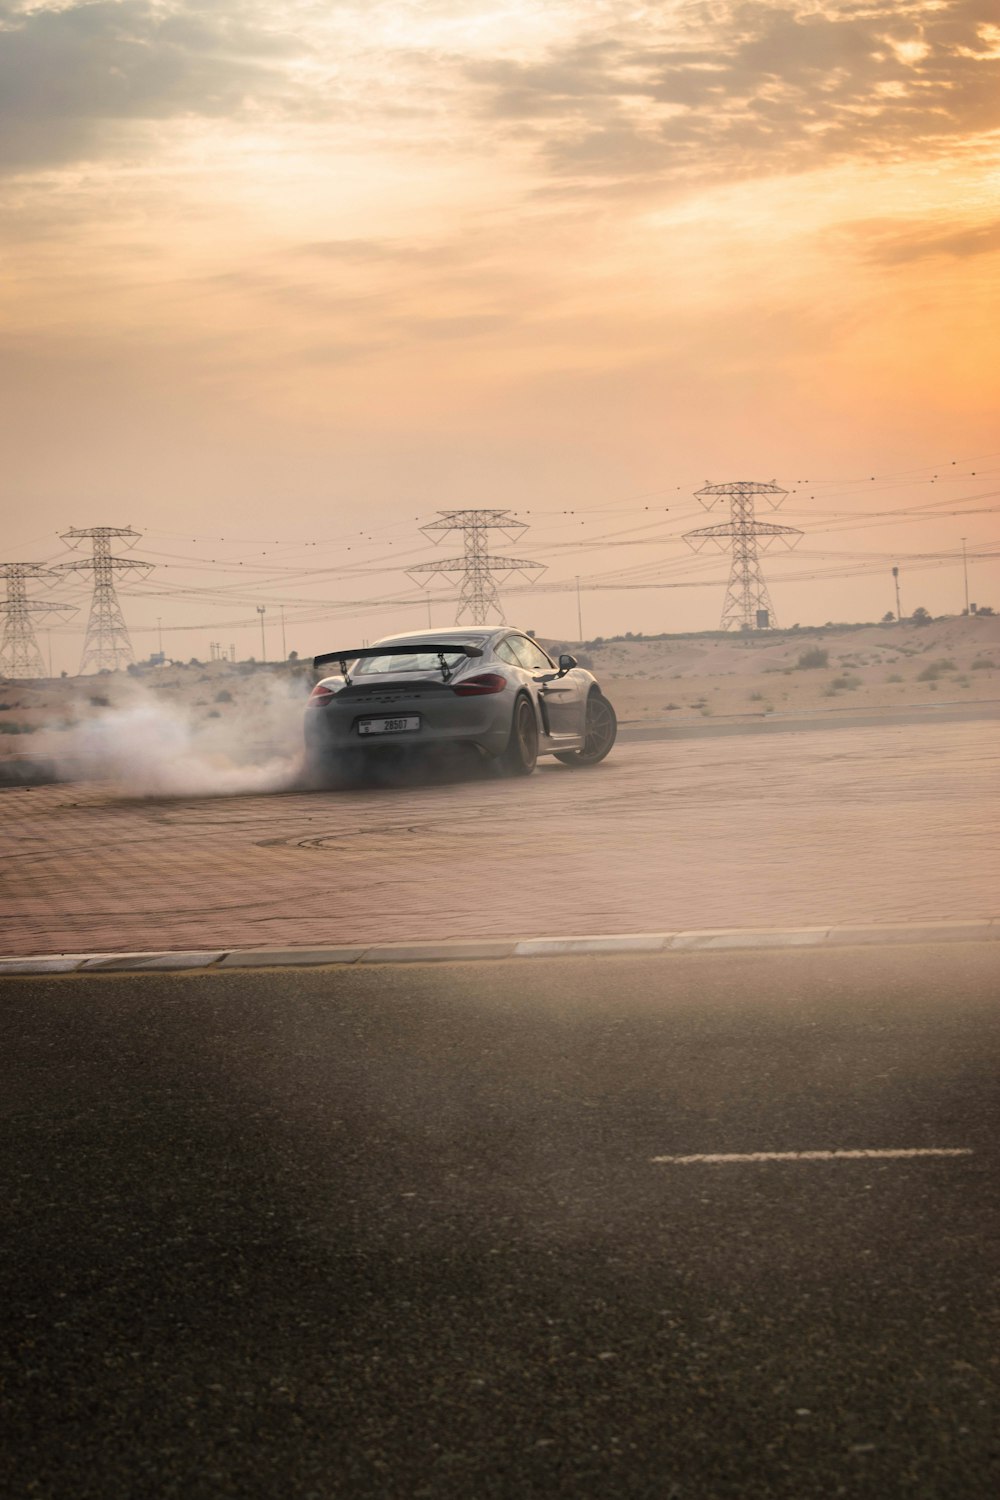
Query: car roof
[449,633]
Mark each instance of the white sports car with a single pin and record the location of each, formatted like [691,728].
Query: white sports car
[494,689]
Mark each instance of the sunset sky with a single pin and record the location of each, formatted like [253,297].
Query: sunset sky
[283,280]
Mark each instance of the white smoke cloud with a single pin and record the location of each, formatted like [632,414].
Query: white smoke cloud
[145,745]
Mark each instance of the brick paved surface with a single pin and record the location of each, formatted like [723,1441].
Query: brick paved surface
[854,825]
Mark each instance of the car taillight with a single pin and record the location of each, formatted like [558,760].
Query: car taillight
[320,695]
[480,685]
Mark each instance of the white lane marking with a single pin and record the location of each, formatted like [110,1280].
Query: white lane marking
[740,1156]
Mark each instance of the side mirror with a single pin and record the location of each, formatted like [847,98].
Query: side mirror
[566,663]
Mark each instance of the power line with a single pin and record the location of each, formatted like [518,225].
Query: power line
[747,604]
[20,656]
[478,593]
[106,645]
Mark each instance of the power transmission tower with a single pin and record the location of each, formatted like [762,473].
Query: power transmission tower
[748,603]
[19,653]
[478,594]
[106,646]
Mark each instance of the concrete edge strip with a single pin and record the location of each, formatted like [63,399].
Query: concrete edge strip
[711,940]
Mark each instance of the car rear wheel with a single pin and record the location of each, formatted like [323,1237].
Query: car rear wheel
[521,754]
[600,733]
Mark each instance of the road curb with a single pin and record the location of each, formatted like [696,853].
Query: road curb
[486,949]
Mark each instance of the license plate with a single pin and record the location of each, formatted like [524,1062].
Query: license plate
[388,726]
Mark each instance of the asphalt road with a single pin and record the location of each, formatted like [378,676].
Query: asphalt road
[399,1231]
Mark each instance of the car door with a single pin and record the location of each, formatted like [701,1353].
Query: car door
[561,698]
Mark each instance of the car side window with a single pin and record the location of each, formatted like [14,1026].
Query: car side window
[504,650]
[530,655]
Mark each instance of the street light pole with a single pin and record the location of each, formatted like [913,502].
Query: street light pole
[579,611]
[965,572]
[263,645]
[899,617]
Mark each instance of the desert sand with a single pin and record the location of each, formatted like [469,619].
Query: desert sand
[955,659]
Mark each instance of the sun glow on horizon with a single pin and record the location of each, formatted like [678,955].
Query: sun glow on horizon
[425,247]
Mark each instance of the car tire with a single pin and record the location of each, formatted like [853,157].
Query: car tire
[521,754]
[600,733]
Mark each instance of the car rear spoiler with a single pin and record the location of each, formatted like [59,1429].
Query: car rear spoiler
[440,649]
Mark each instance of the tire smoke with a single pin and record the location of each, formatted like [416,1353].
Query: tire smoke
[145,745]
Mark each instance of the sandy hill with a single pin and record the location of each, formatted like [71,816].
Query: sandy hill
[869,666]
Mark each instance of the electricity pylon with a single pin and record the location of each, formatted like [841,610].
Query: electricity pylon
[748,603]
[478,594]
[106,646]
[19,654]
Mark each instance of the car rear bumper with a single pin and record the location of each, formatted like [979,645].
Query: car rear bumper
[483,722]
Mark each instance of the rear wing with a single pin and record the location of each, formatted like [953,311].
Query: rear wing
[440,649]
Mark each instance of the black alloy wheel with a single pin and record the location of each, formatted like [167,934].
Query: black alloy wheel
[600,733]
[521,754]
